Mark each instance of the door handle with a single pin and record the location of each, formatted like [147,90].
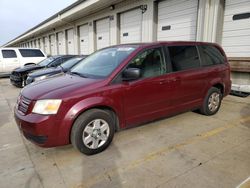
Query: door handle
[174,80]
[164,81]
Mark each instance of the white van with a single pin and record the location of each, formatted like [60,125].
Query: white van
[11,58]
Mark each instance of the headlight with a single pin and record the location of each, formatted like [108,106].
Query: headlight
[40,78]
[47,107]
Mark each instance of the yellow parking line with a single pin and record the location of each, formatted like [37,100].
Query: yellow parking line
[154,155]
[245,183]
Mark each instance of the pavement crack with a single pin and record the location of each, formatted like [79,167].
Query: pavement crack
[58,170]
[201,163]
[33,164]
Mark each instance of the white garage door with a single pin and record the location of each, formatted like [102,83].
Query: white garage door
[38,43]
[70,41]
[102,33]
[41,44]
[177,20]
[61,43]
[35,44]
[131,26]
[236,28]
[52,44]
[47,45]
[84,39]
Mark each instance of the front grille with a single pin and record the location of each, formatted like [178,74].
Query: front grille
[23,104]
[16,76]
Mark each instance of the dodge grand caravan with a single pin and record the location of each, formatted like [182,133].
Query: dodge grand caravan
[120,87]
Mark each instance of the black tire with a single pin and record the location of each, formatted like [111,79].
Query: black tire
[80,124]
[205,107]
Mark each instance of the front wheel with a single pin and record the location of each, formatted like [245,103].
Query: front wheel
[93,131]
[212,102]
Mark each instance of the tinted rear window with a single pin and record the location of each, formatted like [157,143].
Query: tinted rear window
[211,55]
[184,57]
[9,54]
[31,53]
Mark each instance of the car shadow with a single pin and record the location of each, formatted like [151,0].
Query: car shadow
[101,170]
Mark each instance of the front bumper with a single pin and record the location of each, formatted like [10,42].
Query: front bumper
[241,88]
[16,80]
[40,129]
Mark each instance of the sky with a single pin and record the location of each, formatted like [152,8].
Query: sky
[18,16]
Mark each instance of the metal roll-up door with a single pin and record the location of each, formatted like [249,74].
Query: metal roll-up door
[70,41]
[61,43]
[102,33]
[236,28]
[177,20]
[52,44]
[131,26]
[84,39]
[35,43]
[41,44]
[47,45]
[38,44]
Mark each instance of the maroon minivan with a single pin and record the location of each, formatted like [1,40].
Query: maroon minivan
[122,86]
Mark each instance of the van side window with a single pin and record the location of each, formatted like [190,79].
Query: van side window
[151,63]
[31,53]
[9,54]
[211,55]
[184,57]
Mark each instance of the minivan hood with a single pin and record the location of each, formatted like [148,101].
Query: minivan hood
[58,87]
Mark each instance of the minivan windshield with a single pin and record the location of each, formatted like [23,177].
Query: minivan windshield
[103,62]
[47,61]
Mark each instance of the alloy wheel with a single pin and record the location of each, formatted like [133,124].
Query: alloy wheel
[96,134]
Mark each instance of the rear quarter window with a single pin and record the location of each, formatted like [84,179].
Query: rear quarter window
[9,54]
[211,55]
[31,53]
[184,57]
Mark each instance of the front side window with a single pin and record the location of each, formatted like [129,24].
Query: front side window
[211,55]
[55,63]
[184,57]
[102,63]
[9,54]
[47,61]
[150,62]
[31,53]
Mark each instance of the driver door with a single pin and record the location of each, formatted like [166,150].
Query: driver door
[146,98]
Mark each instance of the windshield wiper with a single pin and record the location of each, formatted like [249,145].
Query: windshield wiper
[77,73]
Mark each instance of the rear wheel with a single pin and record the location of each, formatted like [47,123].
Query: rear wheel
[93,131]
[212,102]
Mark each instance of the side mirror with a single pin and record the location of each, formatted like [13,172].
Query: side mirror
[65,69]
[131,74]
[53,65]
